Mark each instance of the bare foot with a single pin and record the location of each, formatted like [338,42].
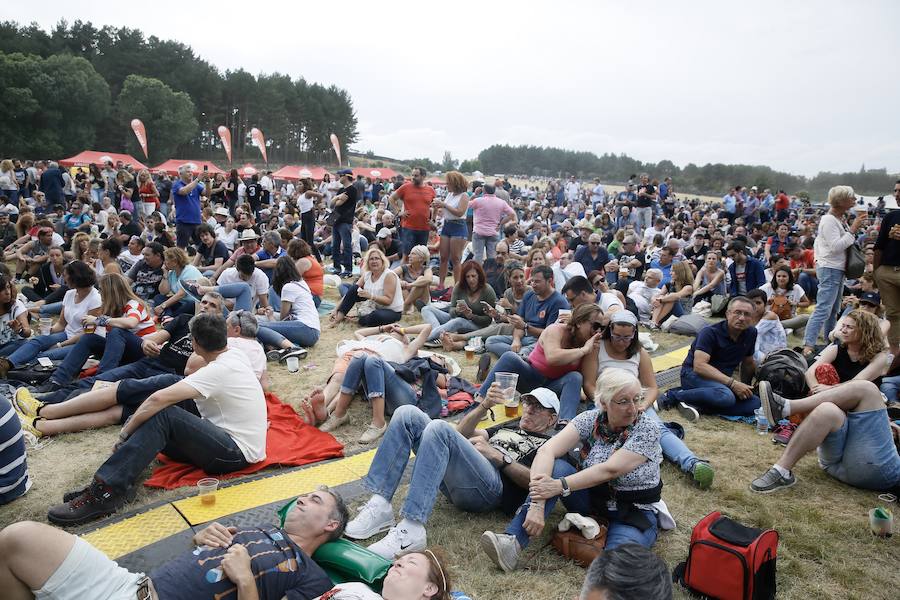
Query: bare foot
[446,342]
[317,400]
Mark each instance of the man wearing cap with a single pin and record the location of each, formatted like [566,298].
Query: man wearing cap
[585,229]
[391,247]
[593,256]
[186,192]
[477,470]
[887,270]
[221,215]
[342,235]
[415,212]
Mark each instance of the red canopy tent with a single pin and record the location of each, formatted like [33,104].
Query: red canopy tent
[436,181]
[171,166]
[89,157]
[292,172]
[383,172]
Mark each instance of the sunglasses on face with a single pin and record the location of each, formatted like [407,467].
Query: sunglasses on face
[596,325]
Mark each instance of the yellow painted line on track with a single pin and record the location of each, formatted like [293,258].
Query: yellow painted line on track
[134,533]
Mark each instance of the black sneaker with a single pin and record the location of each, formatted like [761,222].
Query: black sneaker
[69,496]
[772,403]
[283,354]
[94,502]
[47,387]
[193,289]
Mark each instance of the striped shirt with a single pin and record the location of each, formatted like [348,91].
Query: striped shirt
[14,480]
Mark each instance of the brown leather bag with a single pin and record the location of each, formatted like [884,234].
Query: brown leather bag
[781,306]
[572,544]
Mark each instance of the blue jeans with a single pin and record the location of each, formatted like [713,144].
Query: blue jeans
[53,308]
[673,448]
[862,453]
[440,322]
[183,306]
[342,246]
[712,397]
[484,245]
[178,434]
[10,347]
[809,284]
[890,387]
[567,387]
[644,217]
[498,344]
[619,533]
[445,460]
[42,345]
[272,333]
[828,304]
[412,237]
[241,293]
[119,346]
[141,369]
[381,381]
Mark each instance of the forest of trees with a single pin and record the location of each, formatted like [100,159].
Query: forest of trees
[713,179]
[79,86]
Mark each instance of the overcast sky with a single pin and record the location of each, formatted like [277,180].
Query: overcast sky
[801,86]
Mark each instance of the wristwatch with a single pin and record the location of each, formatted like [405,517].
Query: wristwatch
[565,487]
[507,460]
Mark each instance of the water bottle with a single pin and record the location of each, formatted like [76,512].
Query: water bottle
[762,424]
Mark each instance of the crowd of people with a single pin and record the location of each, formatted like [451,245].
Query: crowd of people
[176,293]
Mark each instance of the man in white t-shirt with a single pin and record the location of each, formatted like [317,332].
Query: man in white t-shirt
[242,328]
[228,435]
[243,286]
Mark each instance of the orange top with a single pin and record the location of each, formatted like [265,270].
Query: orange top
[314,276]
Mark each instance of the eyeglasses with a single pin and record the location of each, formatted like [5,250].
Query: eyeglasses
[637,400]
[596,325]
[621,338]
[597,282]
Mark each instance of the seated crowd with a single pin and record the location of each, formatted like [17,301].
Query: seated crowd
[163,322]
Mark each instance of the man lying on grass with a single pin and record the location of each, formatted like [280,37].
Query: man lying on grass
[847,425]
[229,434]
[264,562]
[477,470]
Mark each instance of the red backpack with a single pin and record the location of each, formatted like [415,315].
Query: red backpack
[730,561]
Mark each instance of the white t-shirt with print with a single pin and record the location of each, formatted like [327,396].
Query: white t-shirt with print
[232,400]
[75,311]
[254,351]
[7,335]
[793,297]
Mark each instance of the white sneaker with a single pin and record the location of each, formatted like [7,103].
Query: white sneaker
[399,541]
[370,521]
[502,548]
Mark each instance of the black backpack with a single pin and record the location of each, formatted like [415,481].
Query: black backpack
[785,370]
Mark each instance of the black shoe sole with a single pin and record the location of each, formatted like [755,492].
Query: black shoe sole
[484,366]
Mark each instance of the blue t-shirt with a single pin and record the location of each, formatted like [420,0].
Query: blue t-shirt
[187,207]
[281,568]
[666,271]
[70,221]
[263,254]
[725,354]
[188,273]
[583,256]
[540,313]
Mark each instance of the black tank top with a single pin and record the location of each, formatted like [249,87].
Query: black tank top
[846,368]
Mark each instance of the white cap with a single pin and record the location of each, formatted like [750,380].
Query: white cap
[383,233]
[546,398]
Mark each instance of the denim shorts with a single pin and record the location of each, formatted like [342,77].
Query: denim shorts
[455,228]
[861,453]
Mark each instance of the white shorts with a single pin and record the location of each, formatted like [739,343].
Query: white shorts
[88,573]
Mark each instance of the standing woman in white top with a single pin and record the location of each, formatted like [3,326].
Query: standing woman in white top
[832,240]
[307,196]
[298,320]
[378,288]
[454,233]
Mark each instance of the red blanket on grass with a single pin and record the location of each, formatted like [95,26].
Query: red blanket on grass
[289,442]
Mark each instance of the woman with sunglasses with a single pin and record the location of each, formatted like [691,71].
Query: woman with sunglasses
[621,349]
[564,360]
[617,476]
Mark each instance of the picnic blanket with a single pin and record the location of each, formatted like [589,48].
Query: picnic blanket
[289,442]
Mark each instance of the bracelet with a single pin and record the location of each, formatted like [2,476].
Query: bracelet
[103,320]
[731,383]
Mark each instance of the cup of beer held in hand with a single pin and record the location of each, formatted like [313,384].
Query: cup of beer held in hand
[507,383]
[206,489]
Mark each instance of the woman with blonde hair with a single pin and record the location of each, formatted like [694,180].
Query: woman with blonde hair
[832,240]
[9,186]
[173,299]
[81,243]
[455,232]
[415,279]
[857,353]
[148,194]
[678,300]
[309,268]
[537,257]
[378,289]
[617,475]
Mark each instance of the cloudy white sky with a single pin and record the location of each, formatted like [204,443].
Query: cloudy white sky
[801,86]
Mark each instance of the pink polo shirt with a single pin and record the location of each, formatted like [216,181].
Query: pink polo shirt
[488,212]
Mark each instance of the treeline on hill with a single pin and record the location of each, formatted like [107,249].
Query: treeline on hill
[713,179]
[79,87]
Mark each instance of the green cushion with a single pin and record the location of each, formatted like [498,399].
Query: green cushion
[352,562]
